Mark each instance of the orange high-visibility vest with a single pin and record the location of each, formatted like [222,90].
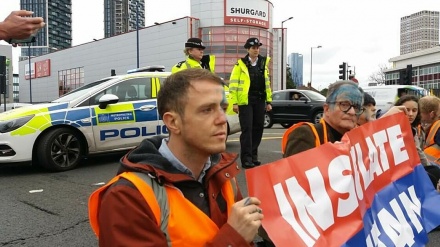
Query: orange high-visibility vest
[431,149]
[315,133]
[182,223]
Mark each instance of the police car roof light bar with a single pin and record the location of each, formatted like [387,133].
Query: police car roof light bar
[154,68]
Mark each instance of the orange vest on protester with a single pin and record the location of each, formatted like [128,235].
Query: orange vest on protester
[182,223]
[315,133]
[431,149]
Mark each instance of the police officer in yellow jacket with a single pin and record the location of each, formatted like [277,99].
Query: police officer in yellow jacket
[251,96]
[194,50]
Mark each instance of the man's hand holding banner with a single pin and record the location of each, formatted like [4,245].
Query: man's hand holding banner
[368,190]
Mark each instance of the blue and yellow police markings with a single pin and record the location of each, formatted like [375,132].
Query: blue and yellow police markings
[148,113]
[115,117]
[114,114]
[75,117]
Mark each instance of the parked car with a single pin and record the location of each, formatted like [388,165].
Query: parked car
[292,105]
[114,113]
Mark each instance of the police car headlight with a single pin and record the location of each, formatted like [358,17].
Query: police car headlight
[13,124]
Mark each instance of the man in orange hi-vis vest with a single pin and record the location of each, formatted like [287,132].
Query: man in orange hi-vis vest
[429,126]
[179,190]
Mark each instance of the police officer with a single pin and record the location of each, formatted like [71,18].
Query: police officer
[251,96]
[194,50]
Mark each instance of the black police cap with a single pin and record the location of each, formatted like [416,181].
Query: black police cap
[194,43]
[252,42]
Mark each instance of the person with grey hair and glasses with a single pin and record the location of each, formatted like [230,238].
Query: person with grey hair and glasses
[343,106]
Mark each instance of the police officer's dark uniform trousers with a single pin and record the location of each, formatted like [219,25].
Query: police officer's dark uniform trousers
[252,115]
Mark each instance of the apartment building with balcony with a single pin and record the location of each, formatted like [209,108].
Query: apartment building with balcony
[57,34]
[419,31]
[122,16]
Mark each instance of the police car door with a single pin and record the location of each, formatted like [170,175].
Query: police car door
[134,117]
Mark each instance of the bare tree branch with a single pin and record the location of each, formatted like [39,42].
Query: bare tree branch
[378,76]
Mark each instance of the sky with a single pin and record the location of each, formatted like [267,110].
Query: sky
[365,34]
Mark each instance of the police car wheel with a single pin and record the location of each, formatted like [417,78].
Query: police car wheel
[60,150]
[268,121]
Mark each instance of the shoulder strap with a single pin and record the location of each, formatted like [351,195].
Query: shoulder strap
[324,128]
[233,182]
[292,128]
[179,64]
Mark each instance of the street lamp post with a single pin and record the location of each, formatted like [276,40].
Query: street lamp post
[282,51]
[137,33]
[311,62]
[30,73]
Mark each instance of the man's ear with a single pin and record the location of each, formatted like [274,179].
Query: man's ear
[432,115]
[172,121]
[326,108]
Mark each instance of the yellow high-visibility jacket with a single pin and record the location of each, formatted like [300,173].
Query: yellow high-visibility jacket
[240,82]
[207,60]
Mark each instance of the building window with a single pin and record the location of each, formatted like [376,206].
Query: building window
[70,79]
[226,43]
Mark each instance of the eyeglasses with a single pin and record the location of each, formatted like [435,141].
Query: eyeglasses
[345,106]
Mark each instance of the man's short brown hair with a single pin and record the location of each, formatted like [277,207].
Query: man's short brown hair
[429,104]
[173,94]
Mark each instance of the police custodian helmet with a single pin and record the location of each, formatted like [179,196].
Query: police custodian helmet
[194,43]
[252,42]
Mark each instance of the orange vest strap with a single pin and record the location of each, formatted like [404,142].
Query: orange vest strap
[183,224]
[293,127]
[94,202]
[233,182]
[430,140]
[324,127]
[146,191]
[315,133]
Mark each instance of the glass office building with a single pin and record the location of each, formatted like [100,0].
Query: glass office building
[121,16]
[295,61]
[57,33]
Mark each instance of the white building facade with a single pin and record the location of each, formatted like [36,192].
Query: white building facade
[223,25]
[425,66]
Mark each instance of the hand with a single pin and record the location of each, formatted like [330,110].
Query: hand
[18,25]
[246,217]
[394,110]
[235,108]
[268,107]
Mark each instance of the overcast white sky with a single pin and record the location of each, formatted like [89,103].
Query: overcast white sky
[363,33]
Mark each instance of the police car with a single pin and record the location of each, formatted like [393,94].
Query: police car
[114,113]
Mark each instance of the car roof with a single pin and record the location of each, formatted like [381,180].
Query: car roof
[292,90]
[392,86]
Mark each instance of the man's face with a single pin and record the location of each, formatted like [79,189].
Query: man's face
[254,51]
[203,126]
[196,53]
[368,115]
[427,118]
[340,111]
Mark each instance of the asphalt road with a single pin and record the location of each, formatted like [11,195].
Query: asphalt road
[50,209]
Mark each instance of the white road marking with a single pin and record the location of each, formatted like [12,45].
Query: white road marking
[36,191]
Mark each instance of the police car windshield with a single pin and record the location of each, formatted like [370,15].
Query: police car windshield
[79,91]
